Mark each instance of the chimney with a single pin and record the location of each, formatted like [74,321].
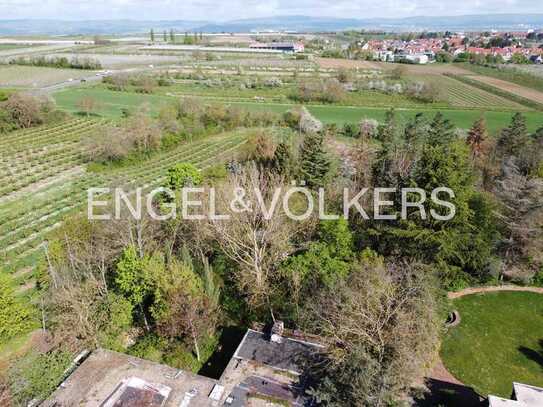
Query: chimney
[277,332]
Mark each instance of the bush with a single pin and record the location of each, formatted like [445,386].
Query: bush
[149,347]
[36,376]
[183,175]
[15,317]
[422,91]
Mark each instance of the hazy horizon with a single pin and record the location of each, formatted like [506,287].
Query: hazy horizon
[212,10]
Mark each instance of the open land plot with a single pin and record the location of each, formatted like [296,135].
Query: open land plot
[411,69]
[113,103]
[498,341]
[337,63]
[37,77]
[522,75]
[510,87]
[263,61]
[9,47]
[536,70]
[30,49]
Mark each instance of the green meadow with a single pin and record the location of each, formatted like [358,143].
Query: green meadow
[111,104]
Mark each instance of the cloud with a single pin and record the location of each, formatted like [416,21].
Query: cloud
[221,10]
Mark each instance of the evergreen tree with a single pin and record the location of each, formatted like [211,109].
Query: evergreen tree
[477,136]
[314,161]
[386,133]
[414,131]
[441,131]
[282,159]
[152,35]
[514,138]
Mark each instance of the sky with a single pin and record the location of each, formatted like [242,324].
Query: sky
[217,10]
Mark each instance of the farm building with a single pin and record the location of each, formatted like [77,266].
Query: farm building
[279,46]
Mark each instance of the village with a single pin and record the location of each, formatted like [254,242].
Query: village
[493,47]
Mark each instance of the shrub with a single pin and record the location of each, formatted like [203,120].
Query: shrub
[183,175]
[422,91]
[15,317]
[36,376]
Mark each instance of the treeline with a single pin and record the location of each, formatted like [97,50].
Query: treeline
[138,83]
[58,62]
[186,120]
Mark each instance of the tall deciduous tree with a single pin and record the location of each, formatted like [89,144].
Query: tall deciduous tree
[256,243]
[186,309]
[382,327]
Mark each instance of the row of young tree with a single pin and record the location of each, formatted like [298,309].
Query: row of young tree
[370,289]
[58,62]
[171,36]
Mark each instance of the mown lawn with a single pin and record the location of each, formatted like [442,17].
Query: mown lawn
[499,341]
[112,104]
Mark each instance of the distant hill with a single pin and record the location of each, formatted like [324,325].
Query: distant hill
[456,23]
[282,23]
[90,27]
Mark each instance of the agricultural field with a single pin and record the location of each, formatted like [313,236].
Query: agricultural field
[522,91]
[44,177]
[37,77]
[529,76]
[112,104]
[459,94]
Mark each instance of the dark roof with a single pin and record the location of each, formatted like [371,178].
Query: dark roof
[287,355]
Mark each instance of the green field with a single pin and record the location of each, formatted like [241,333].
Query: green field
[112,103]
[498,341]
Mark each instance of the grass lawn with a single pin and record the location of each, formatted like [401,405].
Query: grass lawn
[498,341]
[112,103]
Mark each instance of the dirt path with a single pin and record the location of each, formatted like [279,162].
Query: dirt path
[476,290]
[522,91]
